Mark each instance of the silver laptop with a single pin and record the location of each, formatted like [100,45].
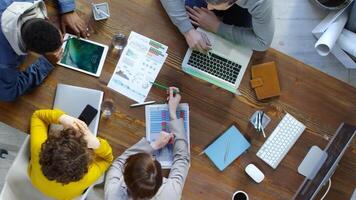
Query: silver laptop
[224,66]
[72,100]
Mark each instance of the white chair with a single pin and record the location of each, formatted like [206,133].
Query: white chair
[17,183]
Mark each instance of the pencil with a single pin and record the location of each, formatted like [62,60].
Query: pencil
[163,87]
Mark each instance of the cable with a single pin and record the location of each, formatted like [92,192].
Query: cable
[327,190]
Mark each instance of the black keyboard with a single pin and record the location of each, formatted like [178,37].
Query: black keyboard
[215,65]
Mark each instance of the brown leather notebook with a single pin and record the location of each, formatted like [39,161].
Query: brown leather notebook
[265,80]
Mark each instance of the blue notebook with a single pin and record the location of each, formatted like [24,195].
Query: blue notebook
[227,147]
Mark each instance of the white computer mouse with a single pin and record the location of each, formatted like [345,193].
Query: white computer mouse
[254,173]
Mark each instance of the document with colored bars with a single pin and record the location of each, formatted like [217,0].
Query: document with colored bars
[157,120]
[139,64]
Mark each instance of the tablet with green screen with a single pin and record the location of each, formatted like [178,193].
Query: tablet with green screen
[83,55]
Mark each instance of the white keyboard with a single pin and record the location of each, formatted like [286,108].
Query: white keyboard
[281,140]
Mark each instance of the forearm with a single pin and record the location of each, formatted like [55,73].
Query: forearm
[65,6]
[40,121]
[260,36]
[14,83]
[104,151]
[178,14]
[181,156]
[46,116]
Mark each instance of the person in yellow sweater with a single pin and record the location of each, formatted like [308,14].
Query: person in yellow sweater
[64,163]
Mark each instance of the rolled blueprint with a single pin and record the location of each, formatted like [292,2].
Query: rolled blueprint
[327,41]
[351,24]
[347,42]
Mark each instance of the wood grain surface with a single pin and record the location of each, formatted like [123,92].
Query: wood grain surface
[319,101]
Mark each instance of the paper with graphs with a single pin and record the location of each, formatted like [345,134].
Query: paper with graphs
[157,120]
[139,64]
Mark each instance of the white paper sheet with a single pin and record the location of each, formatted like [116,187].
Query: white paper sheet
[328,39]
[139,64]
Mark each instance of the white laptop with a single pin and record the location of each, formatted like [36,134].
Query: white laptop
[72,100]
[224,66]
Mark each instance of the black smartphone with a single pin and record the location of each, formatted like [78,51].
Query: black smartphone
[88,114]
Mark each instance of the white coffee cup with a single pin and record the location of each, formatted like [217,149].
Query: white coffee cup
[240,195]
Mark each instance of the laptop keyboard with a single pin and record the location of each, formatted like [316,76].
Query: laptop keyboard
[215,65]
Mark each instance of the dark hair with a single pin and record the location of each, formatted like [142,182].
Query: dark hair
[142,175]
[40,36]
[64,157]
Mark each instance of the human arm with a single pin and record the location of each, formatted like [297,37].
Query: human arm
[40,121]
[104,155]
[181,157]
[14,83]
[101,147]
[70,18]
[178,15]
[181,160]
[259,36]
[65,6]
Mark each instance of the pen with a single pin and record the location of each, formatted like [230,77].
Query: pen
[261,119]
[227,148]
[263,132]
[256,120]
[261,126]
[98,11]
[142,104]
[161,86]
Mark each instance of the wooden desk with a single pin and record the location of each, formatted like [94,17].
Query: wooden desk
[319,101]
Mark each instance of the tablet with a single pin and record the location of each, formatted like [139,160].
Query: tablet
[83,55]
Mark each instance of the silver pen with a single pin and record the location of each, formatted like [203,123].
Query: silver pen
[256,120]
[261,126]
[142,104]
[263,132]
[227,149]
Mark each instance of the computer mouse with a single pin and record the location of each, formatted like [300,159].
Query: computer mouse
[254,173]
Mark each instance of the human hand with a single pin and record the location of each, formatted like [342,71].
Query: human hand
[74,22]
[54,57]
[71,122]
[92,141]
[197,40]
[173,101]
[204,18]
[162,141]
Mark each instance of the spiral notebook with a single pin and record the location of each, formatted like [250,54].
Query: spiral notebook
[227,147]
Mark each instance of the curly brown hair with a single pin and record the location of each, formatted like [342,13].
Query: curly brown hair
[64,157]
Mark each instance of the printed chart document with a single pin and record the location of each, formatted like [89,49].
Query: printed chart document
[157,120]
[139,64]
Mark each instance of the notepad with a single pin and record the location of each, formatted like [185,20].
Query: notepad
[157,120]
[227,147]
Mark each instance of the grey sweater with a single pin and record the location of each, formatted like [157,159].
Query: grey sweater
[115,187]
[258,37]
